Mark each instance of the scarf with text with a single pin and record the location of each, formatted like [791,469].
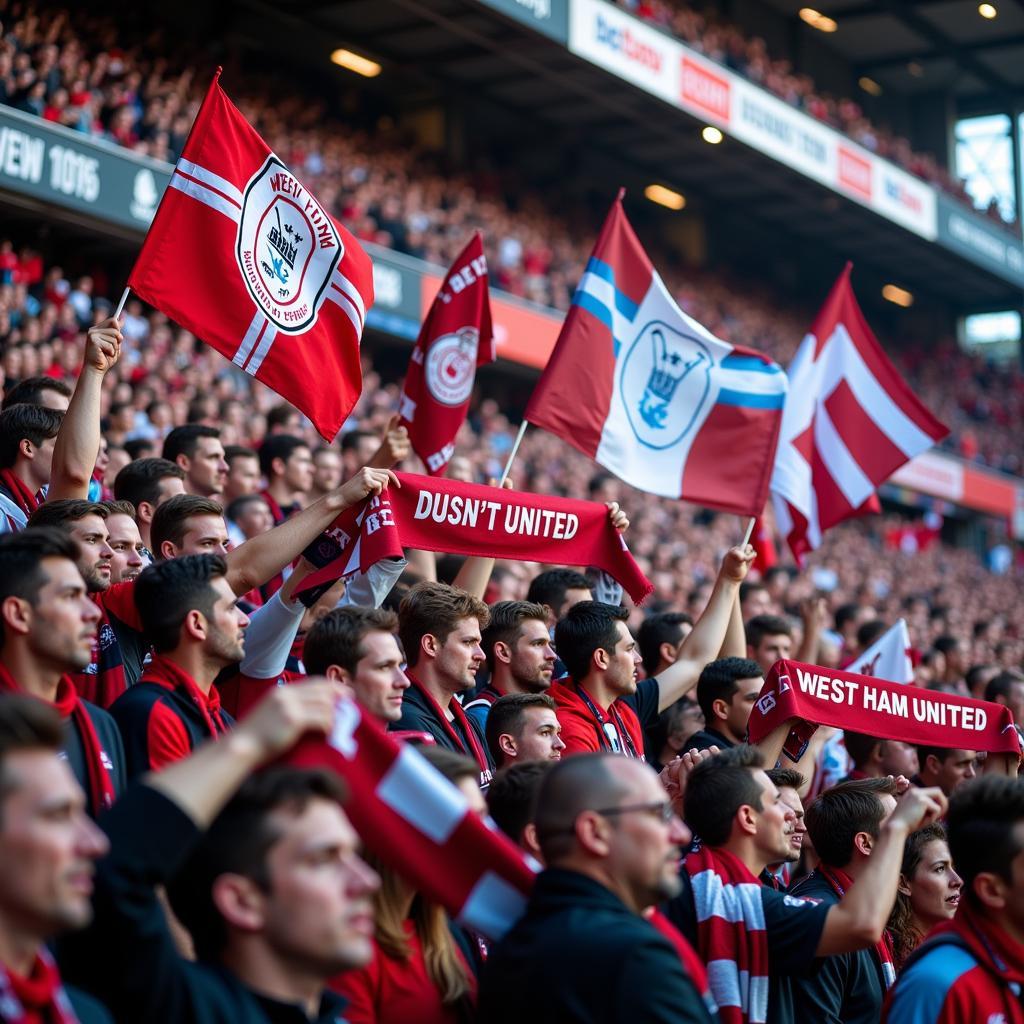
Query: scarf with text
[162,671]
[731,936]
[70,706]
[37,999]
[889,711]
[420,825]
[471,519]
[19,492]
[841,883]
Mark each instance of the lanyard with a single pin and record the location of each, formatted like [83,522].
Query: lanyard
[610,733]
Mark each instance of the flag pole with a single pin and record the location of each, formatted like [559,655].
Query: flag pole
[512,454]
[749,532]
[120,305]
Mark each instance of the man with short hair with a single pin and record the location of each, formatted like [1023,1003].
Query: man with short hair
[659,637]
[27,436]
[844,824]
[189,525]
[524,727]
[250,515]
[558,590]
[601,706]
[147,484]
[512,799]
[48,846]
[48,392]
[945,767]
[189,613]
[956,662]
[727,690]
[875,758]
[262,868]
[328,471]
[583,951]
[439,628]
[49,628]
[287,466]
[769,639]
[1008,688]
[128,554]
[756,936]
[970,969]
[755,599]
[789,782]
[243,473]
[519,655]
[196,448]
[357,448]
[357,647]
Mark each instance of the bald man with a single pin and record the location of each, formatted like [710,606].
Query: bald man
[583,951]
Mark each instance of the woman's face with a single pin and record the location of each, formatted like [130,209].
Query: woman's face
[935,887]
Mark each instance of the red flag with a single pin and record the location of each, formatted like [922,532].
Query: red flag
[766,557]
[849,423]
[420,825]
[455,339]
[244,256]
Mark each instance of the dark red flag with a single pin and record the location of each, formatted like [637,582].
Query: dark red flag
[455,339]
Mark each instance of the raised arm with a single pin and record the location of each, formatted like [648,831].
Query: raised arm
[253,563]
[78,440]
[735,643]
[709,632]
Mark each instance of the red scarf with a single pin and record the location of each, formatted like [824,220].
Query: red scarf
[19,492]
[889,711]
[724,890]
[104,681]
[434,514]
[476,751]
[69,705]
[38,999]
[693,966]
[991,946]
[162,671]
[841,883]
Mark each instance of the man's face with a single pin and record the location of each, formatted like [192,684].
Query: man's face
[899,759]
[243,476]
[47,847]
[379,681]
[1015,702]
[327,470]
[64,619]
[460,656]
[770,650]
[775,822]
[541,736]
[318,915]
[533,657]
[791,798]
[958,768]
[225,641]
[96,555]
[644,849]
[298,470]
[255,518]
[757,602]
[623,663]
[207,469]
[128,558]
[740,706]
[204,535]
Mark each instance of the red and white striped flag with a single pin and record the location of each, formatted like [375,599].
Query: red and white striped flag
[421,825]
[243,255]
[849,423]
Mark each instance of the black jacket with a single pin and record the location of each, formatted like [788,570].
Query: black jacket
[708,738]
[87,1009]
[127,957]
[580,956]
[110,744]
[843,989]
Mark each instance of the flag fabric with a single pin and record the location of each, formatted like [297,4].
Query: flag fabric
[888,657]
[763,542]
[420,825]
[850,422]
[244,256]
[455,339]
[653,396]
[433,514]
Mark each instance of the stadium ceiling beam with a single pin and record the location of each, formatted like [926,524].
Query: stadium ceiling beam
[868,10]
[896,59]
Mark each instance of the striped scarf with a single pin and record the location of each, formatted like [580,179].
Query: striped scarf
[731,936]
[37,999]
[841,883]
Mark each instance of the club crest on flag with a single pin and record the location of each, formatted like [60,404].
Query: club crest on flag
[451,366]
[287,249]
[665,382]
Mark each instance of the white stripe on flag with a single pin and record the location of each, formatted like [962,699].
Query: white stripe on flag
[839,461]
[347,288]
[252,334]
[207,177]
[261,349]
[204,195]
[492,906]
[423,797]
[750,382]
[335,294]
[603,291]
